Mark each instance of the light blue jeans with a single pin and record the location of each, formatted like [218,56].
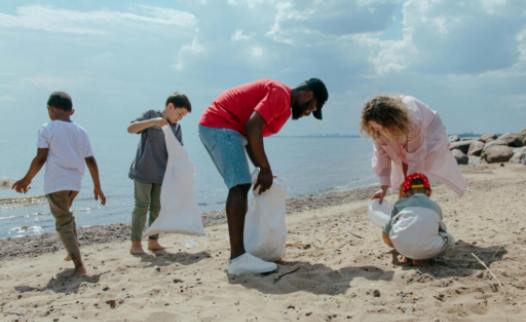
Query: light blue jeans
[227,150]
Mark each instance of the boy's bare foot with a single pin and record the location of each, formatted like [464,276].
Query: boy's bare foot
[137,251]
[154,246]
[79,272]
[419,262]
[404,260]
[136,248]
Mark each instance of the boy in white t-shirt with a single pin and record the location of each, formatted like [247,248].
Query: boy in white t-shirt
[64,147]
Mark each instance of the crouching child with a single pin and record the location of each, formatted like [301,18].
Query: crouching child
[416,230]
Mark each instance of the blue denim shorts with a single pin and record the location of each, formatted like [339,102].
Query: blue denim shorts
[227,149]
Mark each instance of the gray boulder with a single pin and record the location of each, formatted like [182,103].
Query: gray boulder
[460,156]
[519,155]
[497,153]
[495,142]
[473,159]
[523,136]
[475,148]
[488,137]
[511,139]
[461,145]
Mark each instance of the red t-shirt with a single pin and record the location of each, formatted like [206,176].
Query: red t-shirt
[232,109]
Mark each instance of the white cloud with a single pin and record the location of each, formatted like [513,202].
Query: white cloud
[250,3]
[7,99]
[256,52]
[392,56]
[188,51]
[314,21]
[92,22]
[49,82]
[493,7]
[286,13]
[515,101]
[239,35]
[521,44]
[450,37]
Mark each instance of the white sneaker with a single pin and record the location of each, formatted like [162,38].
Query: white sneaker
[248,263]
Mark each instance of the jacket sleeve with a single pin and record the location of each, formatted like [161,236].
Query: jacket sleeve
[381,164]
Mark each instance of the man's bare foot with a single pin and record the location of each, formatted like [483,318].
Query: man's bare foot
[154,246]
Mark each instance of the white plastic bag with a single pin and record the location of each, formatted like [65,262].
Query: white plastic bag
[379,213]
[265,233]
[179,211]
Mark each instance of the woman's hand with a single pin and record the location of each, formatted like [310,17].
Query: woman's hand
[380,194]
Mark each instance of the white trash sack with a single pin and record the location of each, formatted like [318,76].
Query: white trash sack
[265,233]
[179,212]
[379,213]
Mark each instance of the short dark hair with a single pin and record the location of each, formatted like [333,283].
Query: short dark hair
[60,100]
[179,100]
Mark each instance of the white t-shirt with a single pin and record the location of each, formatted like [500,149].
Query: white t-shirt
[68,146]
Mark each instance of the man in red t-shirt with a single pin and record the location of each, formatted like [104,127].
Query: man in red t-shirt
[241,116]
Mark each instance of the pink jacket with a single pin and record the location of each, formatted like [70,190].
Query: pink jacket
[425,151]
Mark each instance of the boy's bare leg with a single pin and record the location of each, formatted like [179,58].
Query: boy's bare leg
[154,246]
[387,240]
[136,248]
[72,196]
[80,269]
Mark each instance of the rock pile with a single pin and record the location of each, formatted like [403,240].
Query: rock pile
[490,148]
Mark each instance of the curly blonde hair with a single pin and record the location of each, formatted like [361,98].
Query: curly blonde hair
[389,112]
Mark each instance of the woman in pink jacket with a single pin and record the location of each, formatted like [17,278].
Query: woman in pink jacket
[408,137]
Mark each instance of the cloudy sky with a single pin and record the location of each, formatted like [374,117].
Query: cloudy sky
[466,59]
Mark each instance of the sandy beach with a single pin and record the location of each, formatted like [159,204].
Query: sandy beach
[336,267]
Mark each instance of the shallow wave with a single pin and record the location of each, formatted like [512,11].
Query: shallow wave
[23,201]
[25,230]
[6,183]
